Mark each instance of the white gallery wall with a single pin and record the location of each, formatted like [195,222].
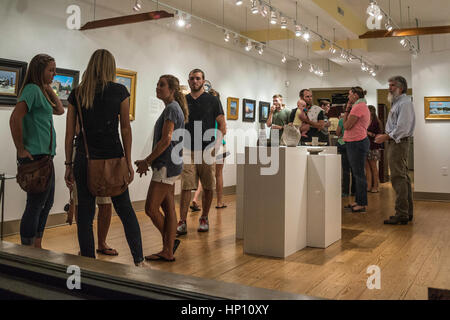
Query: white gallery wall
[431,77]
[31,27]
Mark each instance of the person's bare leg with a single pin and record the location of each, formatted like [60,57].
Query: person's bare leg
[219,184]
[368,176]
[155,196]
[197,194]
[38,243]
[375,178]
[103,224]
[206,202]
[170,223]
[185,199]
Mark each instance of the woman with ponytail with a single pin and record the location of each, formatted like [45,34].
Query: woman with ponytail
[166,161]
[35,138]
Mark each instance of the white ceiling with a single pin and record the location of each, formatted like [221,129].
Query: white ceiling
[382,52]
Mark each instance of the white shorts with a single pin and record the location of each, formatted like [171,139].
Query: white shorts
[161,176]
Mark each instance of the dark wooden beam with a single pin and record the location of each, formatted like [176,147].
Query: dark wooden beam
[409,32]
[154,15]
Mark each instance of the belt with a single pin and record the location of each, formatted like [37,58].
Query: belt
[401,140]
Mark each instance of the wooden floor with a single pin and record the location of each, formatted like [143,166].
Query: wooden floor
[412,258]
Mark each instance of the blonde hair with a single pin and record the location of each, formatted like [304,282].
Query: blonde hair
[174,84]
[35,73]
[100,70]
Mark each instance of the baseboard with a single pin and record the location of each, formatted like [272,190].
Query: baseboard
[432,196]
[59,219]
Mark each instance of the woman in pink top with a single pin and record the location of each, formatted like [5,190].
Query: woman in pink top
[356,122]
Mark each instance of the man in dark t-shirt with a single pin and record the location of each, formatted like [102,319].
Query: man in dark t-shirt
[204,111]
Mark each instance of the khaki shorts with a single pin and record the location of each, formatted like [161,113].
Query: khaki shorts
[161,176]
[193,172]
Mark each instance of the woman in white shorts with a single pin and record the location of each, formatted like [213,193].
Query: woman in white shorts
[166,161]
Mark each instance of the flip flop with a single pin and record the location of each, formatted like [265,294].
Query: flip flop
[176,243]
[108,252]
[222,207]
[158,257]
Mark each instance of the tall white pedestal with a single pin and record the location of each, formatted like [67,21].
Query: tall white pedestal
[324,200]
[274,207]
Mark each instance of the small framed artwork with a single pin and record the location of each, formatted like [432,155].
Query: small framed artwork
[437,108]
[12,75]
[64,82]
[264,109]
[232,108]
[128,79]
[249,108]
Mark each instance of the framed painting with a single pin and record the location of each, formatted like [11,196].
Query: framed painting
[232,108]
[64,82]
[437,108]
[12,75]
[249,108]
[264,109]
[128,79]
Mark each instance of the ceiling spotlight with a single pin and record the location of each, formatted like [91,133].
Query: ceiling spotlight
[332,49]
[389,26]
[227,37]
[322,44]
[311,68]
[306,35]
[380,16]
[137,5]
[261,50]
[263,11]
[283,22]
[344,54]
[283,59]
[300,65]
[298,31]
[239,2]
[180,20]
[254,9]
[373,9]
[404,42]
[374,74]
[249,46]
[273,17]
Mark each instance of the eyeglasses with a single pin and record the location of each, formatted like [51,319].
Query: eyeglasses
[195,78]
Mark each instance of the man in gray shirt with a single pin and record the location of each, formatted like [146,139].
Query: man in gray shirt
[399,130]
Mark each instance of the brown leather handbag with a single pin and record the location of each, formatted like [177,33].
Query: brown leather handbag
[35,176]
[105,177]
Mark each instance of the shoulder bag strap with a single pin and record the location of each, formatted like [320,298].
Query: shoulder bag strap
[82,129]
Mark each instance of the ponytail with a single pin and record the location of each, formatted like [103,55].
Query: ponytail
[174,84]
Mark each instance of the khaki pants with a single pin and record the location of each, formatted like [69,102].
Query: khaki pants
[397,158]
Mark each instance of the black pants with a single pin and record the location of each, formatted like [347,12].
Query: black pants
[86,213]
[346,172]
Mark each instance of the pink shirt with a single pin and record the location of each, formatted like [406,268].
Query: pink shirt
[359,130]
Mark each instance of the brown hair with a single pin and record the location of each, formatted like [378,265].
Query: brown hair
[35,73]
[373,116]
[174,84]
[275,96]
[359,91]
[197,71]
[302,93]
[214,93]
[100,70]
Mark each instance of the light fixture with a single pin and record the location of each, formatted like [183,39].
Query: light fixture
[298,31]
[344,54]
[373,9]
[306,35]
[404,42]
[227,36]
[238,2]
[300,65]
[255,8]
[332,49]
[389,26]
[311,68]
[180,20]
[263,10]
[273,17]
[283,22]
[137,5]
[261,50]
[283,59]
[322,44]
[249,46]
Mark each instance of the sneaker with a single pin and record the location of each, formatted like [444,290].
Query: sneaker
[181,228]
[204,224]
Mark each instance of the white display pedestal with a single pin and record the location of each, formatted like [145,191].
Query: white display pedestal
[324,200]
[274,206]
[299,206]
